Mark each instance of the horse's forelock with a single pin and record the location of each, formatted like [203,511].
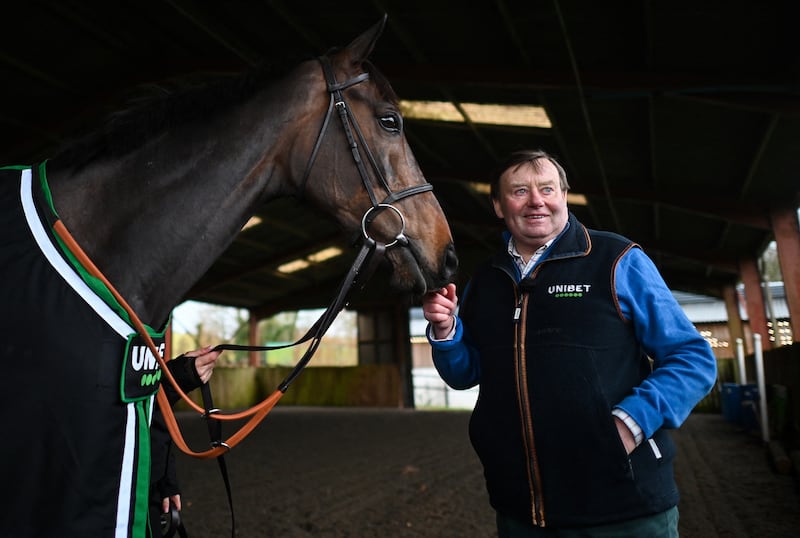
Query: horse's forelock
[381,82]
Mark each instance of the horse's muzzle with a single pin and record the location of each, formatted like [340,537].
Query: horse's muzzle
[449,264]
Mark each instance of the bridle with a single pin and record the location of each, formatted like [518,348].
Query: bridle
[349,124]
[363,266]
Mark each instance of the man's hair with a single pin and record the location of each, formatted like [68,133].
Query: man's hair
[529,156]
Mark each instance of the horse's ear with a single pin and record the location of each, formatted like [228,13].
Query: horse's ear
[361,47]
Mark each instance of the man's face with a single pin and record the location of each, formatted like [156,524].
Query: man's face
[532,204]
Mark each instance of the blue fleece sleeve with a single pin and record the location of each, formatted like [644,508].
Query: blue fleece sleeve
[684,367]
[455,360]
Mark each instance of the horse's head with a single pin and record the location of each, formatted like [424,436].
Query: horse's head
[359,168]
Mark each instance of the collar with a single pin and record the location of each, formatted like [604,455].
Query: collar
[573,241]
[525,267]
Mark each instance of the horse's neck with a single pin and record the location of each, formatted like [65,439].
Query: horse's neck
[157,219]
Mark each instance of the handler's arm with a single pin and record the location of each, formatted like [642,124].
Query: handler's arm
[455,360]
[684,367]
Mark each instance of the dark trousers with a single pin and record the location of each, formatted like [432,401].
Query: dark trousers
[663,525]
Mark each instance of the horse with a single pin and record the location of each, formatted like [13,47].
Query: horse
[152,203]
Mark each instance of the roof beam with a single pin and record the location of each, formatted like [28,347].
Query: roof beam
[418,54]
[751,173]
[627,83]
[268,264]
[311,38]
[720,262]
[727,209]
[212,29]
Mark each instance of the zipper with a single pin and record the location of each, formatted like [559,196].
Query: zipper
[523,400]
[518,309]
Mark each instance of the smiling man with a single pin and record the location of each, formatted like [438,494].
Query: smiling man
[532,199]
[584,361]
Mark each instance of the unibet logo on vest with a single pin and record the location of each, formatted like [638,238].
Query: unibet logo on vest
[141,373]
[568,290]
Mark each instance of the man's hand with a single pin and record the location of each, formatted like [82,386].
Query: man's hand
[439,309]
[625,435]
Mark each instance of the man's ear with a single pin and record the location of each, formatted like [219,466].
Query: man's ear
[498,210]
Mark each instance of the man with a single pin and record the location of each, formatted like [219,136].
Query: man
[584,360]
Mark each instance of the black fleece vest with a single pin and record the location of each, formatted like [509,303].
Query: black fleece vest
[556,356]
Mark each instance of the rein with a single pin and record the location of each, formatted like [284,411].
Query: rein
[365,263]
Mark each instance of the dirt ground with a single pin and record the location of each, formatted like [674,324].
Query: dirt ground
[363,473]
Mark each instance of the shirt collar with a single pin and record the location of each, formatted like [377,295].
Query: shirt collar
[525,268]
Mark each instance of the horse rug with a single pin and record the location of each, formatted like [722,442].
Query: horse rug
[77,387]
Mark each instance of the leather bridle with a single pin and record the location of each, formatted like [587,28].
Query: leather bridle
[349,124]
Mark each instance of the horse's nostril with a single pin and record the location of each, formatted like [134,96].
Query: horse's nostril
[450,265]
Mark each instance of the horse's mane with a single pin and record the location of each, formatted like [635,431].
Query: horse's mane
[149,109]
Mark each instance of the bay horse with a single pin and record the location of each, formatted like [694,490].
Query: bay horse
[152,204]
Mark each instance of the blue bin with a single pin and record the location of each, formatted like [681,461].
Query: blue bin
[749,407]
[732,402]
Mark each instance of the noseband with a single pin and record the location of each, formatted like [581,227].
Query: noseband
[350,124]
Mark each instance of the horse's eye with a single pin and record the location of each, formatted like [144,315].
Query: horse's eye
[391,123]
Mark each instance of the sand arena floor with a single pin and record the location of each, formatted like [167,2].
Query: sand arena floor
[363,473]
